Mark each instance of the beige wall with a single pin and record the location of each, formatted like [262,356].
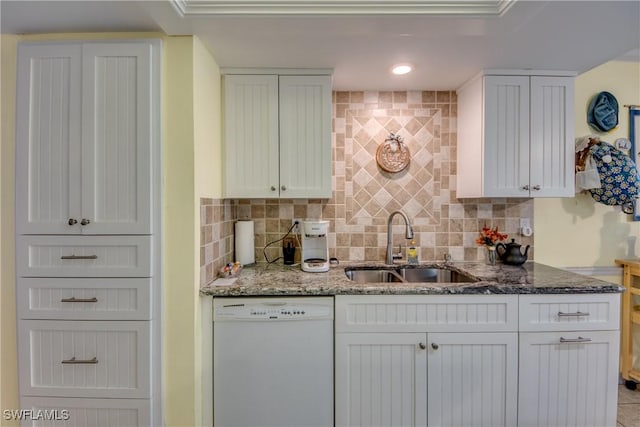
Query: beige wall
[8,354]
[578,232]
[190,82]
[192,144]
[208,183]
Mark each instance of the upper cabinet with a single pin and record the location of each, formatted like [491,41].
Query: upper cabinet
[86,130]
[277,136]
[516,135]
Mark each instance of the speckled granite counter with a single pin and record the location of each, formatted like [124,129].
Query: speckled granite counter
[530,278]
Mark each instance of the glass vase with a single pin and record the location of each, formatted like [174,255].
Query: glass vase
[490,255]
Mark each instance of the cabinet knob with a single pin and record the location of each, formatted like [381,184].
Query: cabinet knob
[72,221]
[283,188]
[273,188]
[434,346]
[422,346]
[536,187]
[525,187]
[85,221]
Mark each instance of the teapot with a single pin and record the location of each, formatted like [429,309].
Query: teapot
[511,253]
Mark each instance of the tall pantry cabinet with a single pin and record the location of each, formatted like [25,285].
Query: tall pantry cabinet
[88,231]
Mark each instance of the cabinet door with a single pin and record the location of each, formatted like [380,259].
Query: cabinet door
[506,136]
[80,412]
[117,138]
[552,137]
[305,136]
[48,138]
[473,379]
[568,378]
[251,161]
[60,358]
[381,379]
[84,299]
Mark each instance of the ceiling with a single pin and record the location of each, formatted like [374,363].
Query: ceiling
[447,41]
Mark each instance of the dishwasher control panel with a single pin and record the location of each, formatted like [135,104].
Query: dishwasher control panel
[272,309]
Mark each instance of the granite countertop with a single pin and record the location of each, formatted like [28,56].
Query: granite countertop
[531,278]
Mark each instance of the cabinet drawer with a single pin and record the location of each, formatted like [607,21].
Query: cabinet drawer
[87,412]
[84,299]
[569,312]
[84,256]
[427,313]
[84,359]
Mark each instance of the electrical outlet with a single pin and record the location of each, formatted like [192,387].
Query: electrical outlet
[298,226]
[525,227]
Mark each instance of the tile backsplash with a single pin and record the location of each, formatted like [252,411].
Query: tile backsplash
[216,236]
[364,194]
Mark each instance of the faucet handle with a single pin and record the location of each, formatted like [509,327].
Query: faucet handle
[398,255]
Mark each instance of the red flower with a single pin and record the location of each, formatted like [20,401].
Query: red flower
[489,236]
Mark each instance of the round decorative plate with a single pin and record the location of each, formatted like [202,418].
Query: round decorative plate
[392,156]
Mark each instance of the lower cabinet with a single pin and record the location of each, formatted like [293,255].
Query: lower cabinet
[88,358]
[420,379]
[477,360]
[472,379]
[381,379]
[79,412]
[461,374]
[568,378]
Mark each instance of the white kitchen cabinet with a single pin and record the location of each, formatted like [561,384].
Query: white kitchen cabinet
[381,379]
[87,359]
[568,378]
[463,374]
[569,372]
[76,412]
[84,256]
[472,379]
[277,136]
[516,135]
[85,298]
[88,231]
[85,135]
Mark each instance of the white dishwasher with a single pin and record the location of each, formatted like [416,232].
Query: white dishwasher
[273,362]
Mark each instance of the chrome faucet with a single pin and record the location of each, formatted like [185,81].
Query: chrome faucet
[408,234]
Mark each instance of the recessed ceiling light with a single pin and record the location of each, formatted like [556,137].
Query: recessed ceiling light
[400,69]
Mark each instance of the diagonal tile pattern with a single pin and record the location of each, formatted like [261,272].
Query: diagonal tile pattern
[364,194]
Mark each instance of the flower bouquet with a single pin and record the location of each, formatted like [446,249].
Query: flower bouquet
[488,238]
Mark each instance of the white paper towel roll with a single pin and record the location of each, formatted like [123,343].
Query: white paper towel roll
[245,245]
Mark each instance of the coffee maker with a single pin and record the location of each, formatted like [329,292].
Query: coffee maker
[315,250]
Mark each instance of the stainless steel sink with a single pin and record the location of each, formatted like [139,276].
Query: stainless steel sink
[373,276]
[433,274]
[405,274]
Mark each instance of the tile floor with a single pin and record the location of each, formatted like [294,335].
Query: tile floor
[628,407]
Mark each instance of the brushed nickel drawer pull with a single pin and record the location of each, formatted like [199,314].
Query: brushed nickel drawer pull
[73,361]
[576,314]
[74,299]
[79,257]
[570,340]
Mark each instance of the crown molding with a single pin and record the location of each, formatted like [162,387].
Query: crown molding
[341,7]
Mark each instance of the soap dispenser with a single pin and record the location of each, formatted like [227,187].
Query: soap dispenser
[412,253]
